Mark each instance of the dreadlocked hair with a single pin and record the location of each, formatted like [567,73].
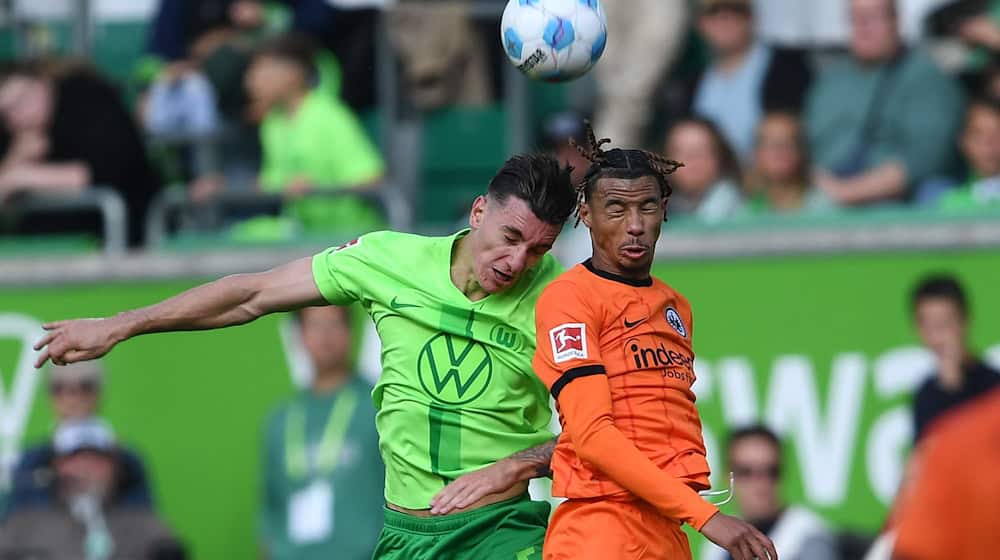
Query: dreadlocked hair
[619,164]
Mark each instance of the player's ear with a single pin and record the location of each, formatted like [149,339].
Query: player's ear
[478,212]
[585,214]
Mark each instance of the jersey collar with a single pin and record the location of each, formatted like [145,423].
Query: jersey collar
[643,283]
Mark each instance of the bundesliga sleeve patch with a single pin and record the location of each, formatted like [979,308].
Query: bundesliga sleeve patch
[569,342]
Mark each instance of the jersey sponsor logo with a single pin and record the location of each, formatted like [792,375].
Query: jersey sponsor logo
[506,337]
[647,356]
[453,369]
[674,320]
[397,305]
[569,342]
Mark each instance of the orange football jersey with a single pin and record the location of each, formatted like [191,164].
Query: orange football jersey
[638,334]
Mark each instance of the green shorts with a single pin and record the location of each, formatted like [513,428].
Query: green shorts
[510,530]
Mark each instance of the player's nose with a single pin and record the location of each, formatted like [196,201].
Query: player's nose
[517,261]
[634,225]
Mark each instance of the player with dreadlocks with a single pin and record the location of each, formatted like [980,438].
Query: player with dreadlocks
[614,348]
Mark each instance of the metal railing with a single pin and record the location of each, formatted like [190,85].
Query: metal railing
[107,202]
[175,202]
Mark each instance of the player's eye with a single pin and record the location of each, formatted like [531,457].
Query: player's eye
[510,240]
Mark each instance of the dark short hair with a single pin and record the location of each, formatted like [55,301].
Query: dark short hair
[297,48]
[541,182]
[944,286]
[981,102]
[751,431]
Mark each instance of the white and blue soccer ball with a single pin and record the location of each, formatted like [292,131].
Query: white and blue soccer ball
[554,40]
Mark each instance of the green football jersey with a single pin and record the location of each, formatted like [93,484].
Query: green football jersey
[457,391]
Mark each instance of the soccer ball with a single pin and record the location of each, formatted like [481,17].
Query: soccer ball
[554,40]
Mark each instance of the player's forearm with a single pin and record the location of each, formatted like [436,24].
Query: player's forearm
[885,182]
[222,303]
[531,463]
[607,449]
[586,409]
[50,178]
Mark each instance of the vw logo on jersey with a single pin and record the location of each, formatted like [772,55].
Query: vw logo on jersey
[674,318]
[454,369]
[506,337]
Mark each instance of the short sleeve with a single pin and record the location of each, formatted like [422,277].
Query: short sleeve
[567,331]
[341,272]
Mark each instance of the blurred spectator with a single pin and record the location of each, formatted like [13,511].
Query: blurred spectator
[779,181]
[869,116]
[754,457]
[311,141]
[71,130]
[182,29]
[990,86]
[824,24]
[557,132]
[980,147]
[75,392]
[345,28]
[87,518]
[444,60]
[747,78]
[644,38]
[706,188]
[195,62]
[950,507]
[941,314]
[973,24]
[322,459]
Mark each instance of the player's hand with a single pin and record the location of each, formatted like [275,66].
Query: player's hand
[739,538]
[469,489]
[75,340]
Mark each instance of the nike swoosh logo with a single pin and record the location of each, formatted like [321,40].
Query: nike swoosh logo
[396,305]
[630,324]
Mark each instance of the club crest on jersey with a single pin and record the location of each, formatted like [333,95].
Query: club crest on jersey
[674,319]
[569,342]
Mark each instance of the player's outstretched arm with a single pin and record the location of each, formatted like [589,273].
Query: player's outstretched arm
[498,477]
[585,404]
[233,300]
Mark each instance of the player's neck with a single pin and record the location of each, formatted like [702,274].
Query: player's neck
[330,380]
[605,265]
[293,101]
[733,60]
[463,270]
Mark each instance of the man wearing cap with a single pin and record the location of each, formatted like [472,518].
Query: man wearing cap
[86,518]
[75,391]
[746,78]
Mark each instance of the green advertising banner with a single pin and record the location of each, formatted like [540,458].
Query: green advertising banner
[820,347]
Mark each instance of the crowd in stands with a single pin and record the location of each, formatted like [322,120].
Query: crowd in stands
[769,128]
[768,124]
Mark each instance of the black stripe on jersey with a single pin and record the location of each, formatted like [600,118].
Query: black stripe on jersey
[634,282]
[575,373]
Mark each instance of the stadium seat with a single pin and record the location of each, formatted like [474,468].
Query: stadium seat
[462,149]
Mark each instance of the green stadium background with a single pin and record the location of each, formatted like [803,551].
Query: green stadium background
[819,345]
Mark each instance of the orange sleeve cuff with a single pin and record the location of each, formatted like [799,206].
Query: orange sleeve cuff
[586,408]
